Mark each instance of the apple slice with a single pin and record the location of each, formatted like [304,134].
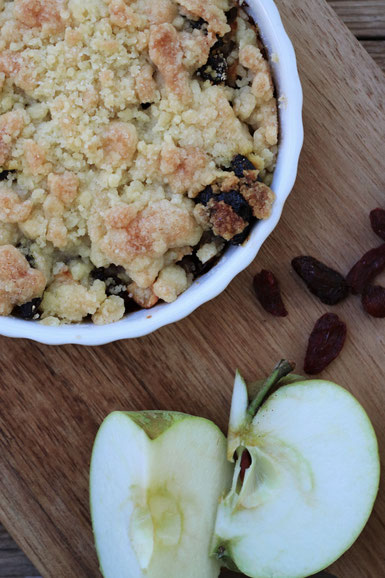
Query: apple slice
[155,481]
[305,479]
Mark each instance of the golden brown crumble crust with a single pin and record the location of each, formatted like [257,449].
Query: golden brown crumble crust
[117,118]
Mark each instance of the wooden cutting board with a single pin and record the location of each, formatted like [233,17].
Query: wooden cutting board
[54,399]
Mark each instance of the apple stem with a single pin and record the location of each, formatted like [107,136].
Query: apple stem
[282,369]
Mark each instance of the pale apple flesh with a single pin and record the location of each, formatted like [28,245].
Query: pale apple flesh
[155,482]
[311,484]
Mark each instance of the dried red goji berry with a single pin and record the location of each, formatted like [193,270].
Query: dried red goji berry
[373,300]
[267,289]
[325,343]
[364,271]
[377,220]
[326,283]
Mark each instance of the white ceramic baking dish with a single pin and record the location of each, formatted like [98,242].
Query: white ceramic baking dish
[235,259]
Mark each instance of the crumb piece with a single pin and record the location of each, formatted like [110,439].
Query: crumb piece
[9,234]
[225,221]
[120,215]
[122,15]
[172,281]
[119,143]
[19,283]
[35,160]
[187,169]
[12,208]
[208,251]
[19,68]
[145,298]
[56,229]
[244,103]
[145,84]
[37,13]
[71,301]
[174,255]
[159,227]
[53,207]
[57,232]
[72,37]
[161,11]
[11,125]
[50,321]
[259,196]
[202,216]
[10,63]
[262,87]
[35,226]
[64,187]
[210,12]
[196,48]
[166,53]
[110,311]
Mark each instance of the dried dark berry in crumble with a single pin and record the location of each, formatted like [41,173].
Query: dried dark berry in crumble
[130,306]
[146,105]
[205,196]
[115,285]
[233,224]
[105,273]
[31,260]
[224,45]
[198,24]
[27,310]
[240,164]
[194,266]
[240,206]
[215,70]
[232,14]
[26,252]
[241,237]
[5,173]
[110,276]
[216,67]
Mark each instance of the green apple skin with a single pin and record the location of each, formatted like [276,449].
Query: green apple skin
[311,485]
[155,481]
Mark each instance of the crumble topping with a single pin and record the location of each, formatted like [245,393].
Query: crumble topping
[137,138]
[19,283]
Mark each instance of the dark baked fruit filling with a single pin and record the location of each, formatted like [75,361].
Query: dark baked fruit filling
[240,164]
[235,204]
[28,310]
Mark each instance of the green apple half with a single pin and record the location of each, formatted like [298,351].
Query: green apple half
[305,480]
[155,482]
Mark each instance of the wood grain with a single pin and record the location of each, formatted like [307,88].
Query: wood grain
[53,399]
[376,49]
[365,18]
[12,560]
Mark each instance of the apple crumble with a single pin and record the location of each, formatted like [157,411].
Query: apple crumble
[137,140]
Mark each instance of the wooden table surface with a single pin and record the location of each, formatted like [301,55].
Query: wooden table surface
[366,20]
